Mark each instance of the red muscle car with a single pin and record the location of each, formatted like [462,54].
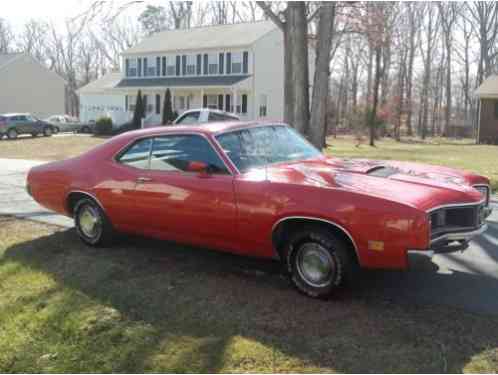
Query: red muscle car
[262,190]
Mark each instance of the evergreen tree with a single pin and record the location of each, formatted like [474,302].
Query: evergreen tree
[168,115]
[139,113]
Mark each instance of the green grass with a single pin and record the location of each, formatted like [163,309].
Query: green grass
[149,306]
[463,154]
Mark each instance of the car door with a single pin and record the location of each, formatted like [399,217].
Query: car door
[184,205]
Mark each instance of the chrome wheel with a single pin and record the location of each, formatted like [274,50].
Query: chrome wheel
[12,134]
[90,222]
[315,264]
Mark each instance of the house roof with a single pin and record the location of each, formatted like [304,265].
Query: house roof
[182,81]
[216,36]
[107,81]
[488,88]
[7,58]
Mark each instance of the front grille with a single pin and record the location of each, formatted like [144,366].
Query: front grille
[456,219]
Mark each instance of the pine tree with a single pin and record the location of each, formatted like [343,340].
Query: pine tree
[139,113]
[168,115]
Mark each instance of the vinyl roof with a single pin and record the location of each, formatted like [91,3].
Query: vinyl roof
[216,36]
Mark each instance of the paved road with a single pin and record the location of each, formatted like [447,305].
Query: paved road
[468,280]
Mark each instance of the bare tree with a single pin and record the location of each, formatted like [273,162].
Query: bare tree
[6,36]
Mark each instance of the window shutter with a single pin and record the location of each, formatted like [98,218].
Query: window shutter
[126,102]
[204,101]
[158,66]
[199,64]
[158,104]
[178,63]
[229,63]
[184,65]
[127,67]
[227,102]
[164,65]
[139,67]
[205,64]
[220,65]
[220,102]
[245,62]
[145,67]
[244,103]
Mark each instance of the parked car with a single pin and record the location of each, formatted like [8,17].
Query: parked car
[204,115]
[262,190]
[65,123]
[13,124]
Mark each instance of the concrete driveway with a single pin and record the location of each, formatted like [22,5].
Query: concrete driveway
[467,280]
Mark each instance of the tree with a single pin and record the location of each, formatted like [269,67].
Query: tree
[6,36]
[153,19]
[139,112]
[168,115]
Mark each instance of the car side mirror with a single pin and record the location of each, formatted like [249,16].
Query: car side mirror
[197,166]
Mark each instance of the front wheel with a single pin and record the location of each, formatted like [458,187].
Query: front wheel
[318,262]
[47,131]
[12,134]
[92,225]
[56,130]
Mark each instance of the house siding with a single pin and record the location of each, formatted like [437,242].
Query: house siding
[27,86]
[488,122]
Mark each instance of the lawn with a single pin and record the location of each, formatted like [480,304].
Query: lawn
[149,306]
[463,154]
[47,148]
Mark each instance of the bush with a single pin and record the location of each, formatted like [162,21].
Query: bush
[103,126]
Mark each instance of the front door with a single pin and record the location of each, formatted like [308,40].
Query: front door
[193,206]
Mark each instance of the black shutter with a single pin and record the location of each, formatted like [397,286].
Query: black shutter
[164,65]
[158,104]
[127,67]
[221,62]
[145,67]
[245,62]
[227,102]
[139,67]
[184,65]
[205,64]
[220,102]
[126,102]
[204,101]
[158,66]
[244,103]
[229,63]
[178,63]
[199,64]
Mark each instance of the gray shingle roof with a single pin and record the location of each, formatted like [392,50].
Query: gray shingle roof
[217,36]
[182,81]
[108,81]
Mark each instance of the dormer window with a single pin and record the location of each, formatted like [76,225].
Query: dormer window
[213,63]
[236,62]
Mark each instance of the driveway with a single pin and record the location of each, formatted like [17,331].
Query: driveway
[467,280]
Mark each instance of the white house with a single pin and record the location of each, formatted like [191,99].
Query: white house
[28,86]
[237,68]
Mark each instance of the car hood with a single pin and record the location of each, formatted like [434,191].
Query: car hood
[417,185]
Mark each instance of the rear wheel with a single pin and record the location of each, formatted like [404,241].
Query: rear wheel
[12,133]
[47,131]
[34,134]
[92,225]
[318,262]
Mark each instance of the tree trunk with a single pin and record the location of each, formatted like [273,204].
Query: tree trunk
[321,79]
[373,114]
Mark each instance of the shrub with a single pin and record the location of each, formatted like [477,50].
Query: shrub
[168,114]
[139,113]
[103,126]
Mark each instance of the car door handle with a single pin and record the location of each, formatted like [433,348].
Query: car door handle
[144,179]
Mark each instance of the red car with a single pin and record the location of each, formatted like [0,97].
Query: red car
[262,190]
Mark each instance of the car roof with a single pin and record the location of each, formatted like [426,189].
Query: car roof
[212,128]
[210,110]
[16,114]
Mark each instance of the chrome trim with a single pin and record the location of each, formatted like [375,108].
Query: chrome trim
[82,192]
[488,197]
[322,220]
[457,205]
[429,253]
[460,236]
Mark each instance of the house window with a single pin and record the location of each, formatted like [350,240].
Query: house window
[132,101]
[212,101]
[237,62]
[191,65]
[213,63]
[132,67]
[170,66]
[263,105]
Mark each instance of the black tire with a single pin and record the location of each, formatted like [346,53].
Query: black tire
[12,133]
[47,131]
[34,135]
[85,129]
[318,244]
[103,234]
[56,129]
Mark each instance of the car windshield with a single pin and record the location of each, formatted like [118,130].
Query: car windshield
[264,145]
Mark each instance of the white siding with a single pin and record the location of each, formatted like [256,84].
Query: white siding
[93,106]
[27,86]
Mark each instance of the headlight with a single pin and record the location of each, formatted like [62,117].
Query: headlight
[484,190]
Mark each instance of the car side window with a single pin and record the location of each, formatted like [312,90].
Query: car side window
[213,116]
[189,118]
[175,152]
[137,155]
